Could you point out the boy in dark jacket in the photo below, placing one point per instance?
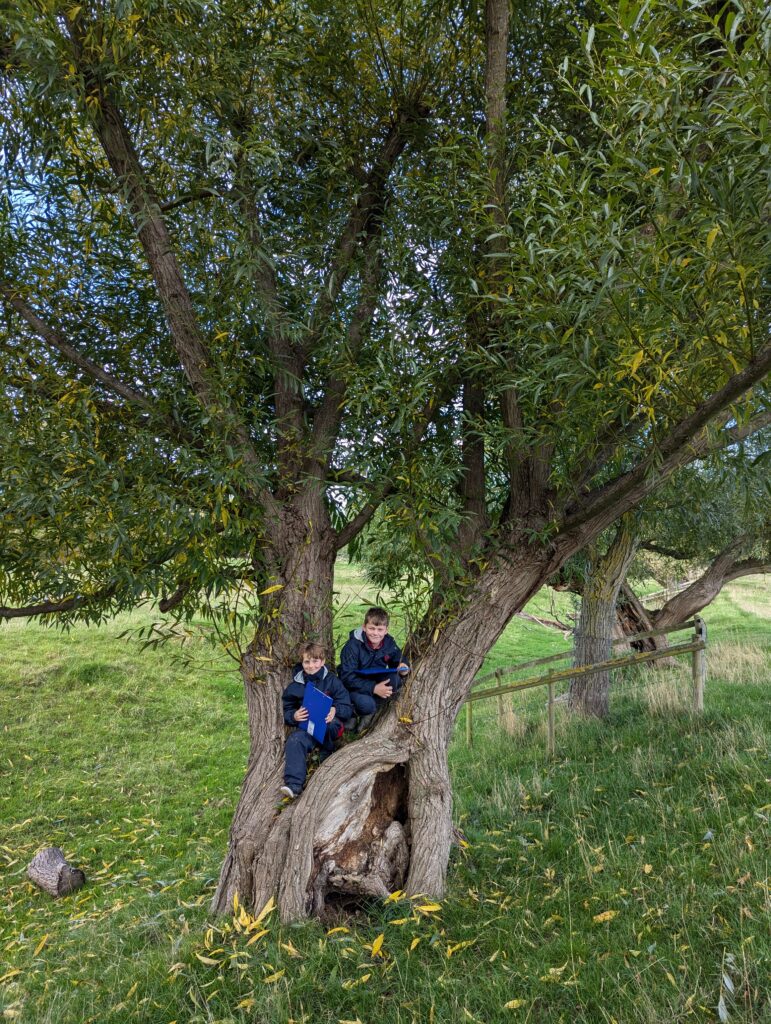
(300, 743)
(367, 650)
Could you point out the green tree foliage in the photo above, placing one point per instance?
(266, 271)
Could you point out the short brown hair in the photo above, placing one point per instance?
(377, 616)
(313, 650)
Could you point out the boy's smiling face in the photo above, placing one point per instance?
(374, 632)
(312, 665)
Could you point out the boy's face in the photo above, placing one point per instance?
(375, 631)
(311, 664)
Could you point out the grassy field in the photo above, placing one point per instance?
(626, 880)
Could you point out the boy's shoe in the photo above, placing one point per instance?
(350, 725)
(364, 722)
(288, 791)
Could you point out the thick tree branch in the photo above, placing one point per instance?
(365, 220)
(153, 234)
(748, 567)
(288, 363)
(55, 340)
(473, 482)
(327, 419)
(660, 549)
(721, 570)
(686, 441)
(51, 607)
(356, 525)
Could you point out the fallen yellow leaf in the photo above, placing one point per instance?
(606, 915)
(514, 1004)
(40, 944)
(267, 909)
(271, 978)
(377, 944)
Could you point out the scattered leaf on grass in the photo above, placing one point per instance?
(40, 944)
(378, 944)
(271, 978)
(606, 915)
(207, 960)
(353, 982)
(514, 1004)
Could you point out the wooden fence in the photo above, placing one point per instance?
(696, 647)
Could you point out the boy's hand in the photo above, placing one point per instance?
(301, 715)
(330, 714)
(383, 688)
(403, 668)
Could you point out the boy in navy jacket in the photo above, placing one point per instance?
(299, 743)
(369, 649)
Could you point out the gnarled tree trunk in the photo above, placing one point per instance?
(377, 815)
(589, 694)
(302, 555)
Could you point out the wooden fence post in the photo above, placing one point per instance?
(550, 735)
(469, 725)
(498, 678)
(699, 665)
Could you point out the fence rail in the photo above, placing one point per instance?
(696, 647)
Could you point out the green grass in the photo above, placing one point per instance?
(625, 880)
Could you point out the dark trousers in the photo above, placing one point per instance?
(298, 745)
(367, 704)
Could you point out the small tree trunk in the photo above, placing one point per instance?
(589, 694)
(50, 872)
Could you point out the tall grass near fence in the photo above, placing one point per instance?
(625, 880)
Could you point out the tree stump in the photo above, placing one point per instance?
(50, 872)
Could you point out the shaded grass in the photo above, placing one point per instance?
(625, 880)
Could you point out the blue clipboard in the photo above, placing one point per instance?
(383, 671)
(318, 705)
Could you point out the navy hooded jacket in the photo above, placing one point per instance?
(357, 654)
(327, 682)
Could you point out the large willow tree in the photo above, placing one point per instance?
(268, 272)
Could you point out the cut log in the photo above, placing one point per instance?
(50, 872)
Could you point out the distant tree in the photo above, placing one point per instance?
(710, 517)
(267, 272)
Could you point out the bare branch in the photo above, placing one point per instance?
(659, 549)
(167, 604)
(51, 607)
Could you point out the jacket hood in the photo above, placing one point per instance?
(320, 676)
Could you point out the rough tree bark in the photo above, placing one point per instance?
(589, 694)
(377, 815)
(633, 617)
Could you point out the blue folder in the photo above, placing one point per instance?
(318, 705)
(382, 671)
